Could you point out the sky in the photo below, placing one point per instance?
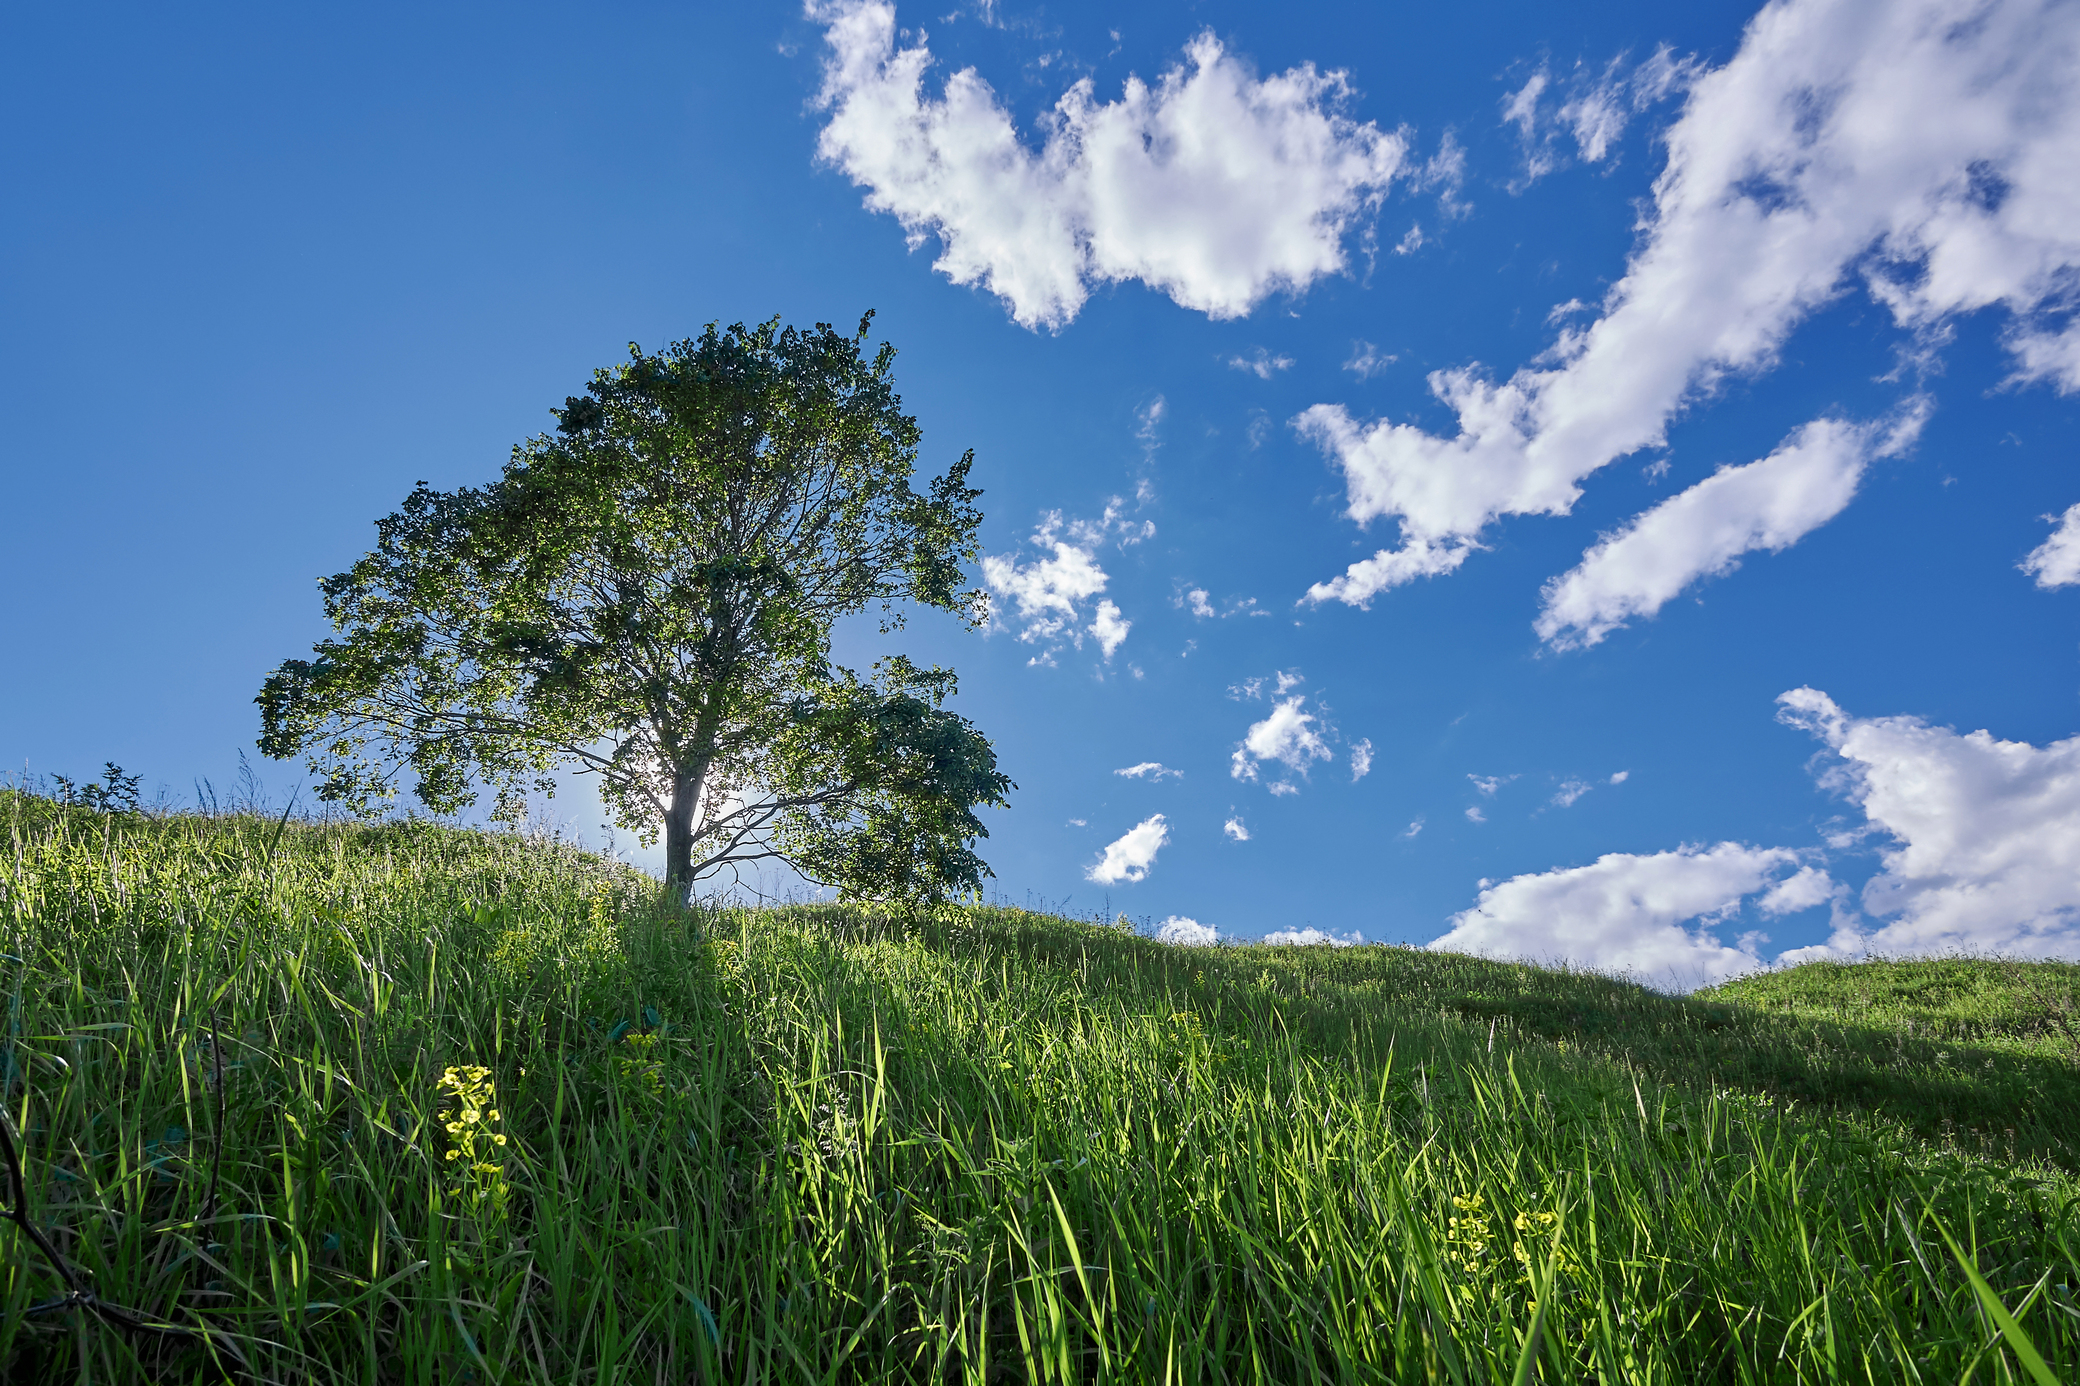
(1588, 483)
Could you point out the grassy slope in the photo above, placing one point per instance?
(812, 1143)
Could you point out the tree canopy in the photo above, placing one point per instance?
(648, 594)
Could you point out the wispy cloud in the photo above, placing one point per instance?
(1262, 365)
(1153, 770)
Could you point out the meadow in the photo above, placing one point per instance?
(408, 1103)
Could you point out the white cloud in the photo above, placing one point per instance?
(1628, 913)
(1368, 577)
(1212, 186)
(1201, 604)
(2056, 562)
(1927, 145)
(1281, 683)
(1766, 505)
(1568, 792)
(1263, 365)
(1311, 938)
(1235, 829)
(1596, 108)
(1488, 784)
(1148, 428)
(1621, 776)
(1415, 826)
(1986, 833)
(1287, 736)
(1181, 932)
(1810, 887)
(1150, 770)
(1133, 854)
(1474, 814)
(1368, 360)
(1361, 760)
(1048, 593)
(1108, 628)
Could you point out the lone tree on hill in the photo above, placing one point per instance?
(647, 594)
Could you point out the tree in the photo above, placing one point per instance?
(648, 594)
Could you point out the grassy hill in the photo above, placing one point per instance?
(406, 1103)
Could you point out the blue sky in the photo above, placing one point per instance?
(1590, 483)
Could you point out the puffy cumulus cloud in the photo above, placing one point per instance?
(1619, 777)
(1570, 791)
(1150, 770)
(1985, 853)
(1361, 760)
(1702, 532)
(1654, 916)
(1925, 145)
(1287, 736)
(1182, 932)
(1133, 854)
(2056, 562)
(1109, 628)
(1236, 829)
(1312, 938)
(1048, 593)
(1213, 185)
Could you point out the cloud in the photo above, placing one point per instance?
(1621, 776)
(1148, 428)
(1181, 932)
(1474, 814)
(1150, 770)
(1985, 833)
(1108, 628)
(1281, 683)
(1628, 913)
(1133, 854)
(1048, 593)
(1200, 603)
(1235, 829)
(1287, 736)
(1367, 360)
(1702, 532)
(1568, 792)
(1488, 784)
(1595, 109)
(1213, 186)
(1924, 146)
(1415, 826)
(1361, 760)
(1311, 938)
(2056, 562)
(1263, 365)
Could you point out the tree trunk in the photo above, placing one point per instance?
(678, 835)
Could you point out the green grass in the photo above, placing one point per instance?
(824, 1144)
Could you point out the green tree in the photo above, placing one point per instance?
(647, 594)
